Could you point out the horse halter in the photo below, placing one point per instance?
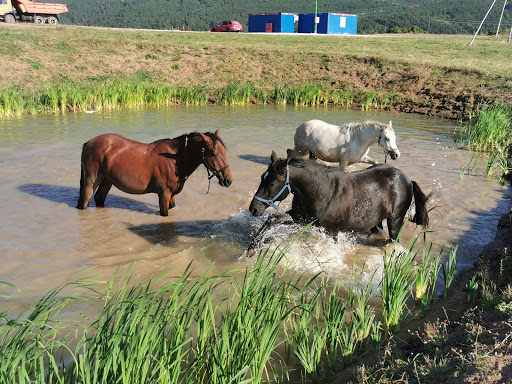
(386, 151)
(270, 202)
(211, 172)
(209, 168)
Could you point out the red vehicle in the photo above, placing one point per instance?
(227, 26)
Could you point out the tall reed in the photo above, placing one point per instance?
(363, 314)
(115, 92)
(248, 333)
(32, 341)
(142, 333)
(204, 329)
(492, 133)
(333, 310)
(396, 286)
(449, 269)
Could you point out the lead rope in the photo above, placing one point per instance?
(202, 160)
(385, 151)
(270, 202)
(186, 143)
(211, 172)
(207, 171)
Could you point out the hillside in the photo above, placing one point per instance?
(375, 16)
(429, 74)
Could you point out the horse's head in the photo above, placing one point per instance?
(387, 140)
(214, 158)
(273, 187)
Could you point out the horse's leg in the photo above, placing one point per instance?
(172, 202)
(343, 164)
(101, 193)
(378, 228)
(88, 184)
(271, 221)
(81, 197)
(395, 225)
(367, 159)
(164, 199)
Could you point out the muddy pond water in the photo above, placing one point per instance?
(45, 240)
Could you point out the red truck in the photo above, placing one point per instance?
(30, 11)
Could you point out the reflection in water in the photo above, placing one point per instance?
(45, 240)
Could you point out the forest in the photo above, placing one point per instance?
(374, 16)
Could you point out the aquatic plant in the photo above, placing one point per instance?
(363, 314)
(472, 287)
(449, 269)
(31, 342)
(116, 92)
(426, 277)
(215, 329)
(308, 336)
(333, 310)
(396, 285)
(492, 133)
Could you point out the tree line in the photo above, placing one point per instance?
(375, 16)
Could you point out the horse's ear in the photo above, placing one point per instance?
(217, 132)
(273, 157)
(390, 125)
(290, 153)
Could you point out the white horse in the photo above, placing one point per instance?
(347, 144)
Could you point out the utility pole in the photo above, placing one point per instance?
(316, 13)
(501, 17)
(485, 17)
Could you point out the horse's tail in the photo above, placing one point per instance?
(80, 204)
(420, 201)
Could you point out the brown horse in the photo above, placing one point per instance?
(161, 167)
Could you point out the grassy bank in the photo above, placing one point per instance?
(435, 75)
(491, 133)
(467, 339)
(214, 329)
(113, 93)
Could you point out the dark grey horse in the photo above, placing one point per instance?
(337, 200)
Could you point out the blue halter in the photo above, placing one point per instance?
(285, 186)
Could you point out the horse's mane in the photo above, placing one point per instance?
(354, 125)
(181, 138)
(298, 162)
(211, 135)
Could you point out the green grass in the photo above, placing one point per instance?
(372, 72)
(116, 92)
(491, 133)
(204, 329)
(465, 347)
